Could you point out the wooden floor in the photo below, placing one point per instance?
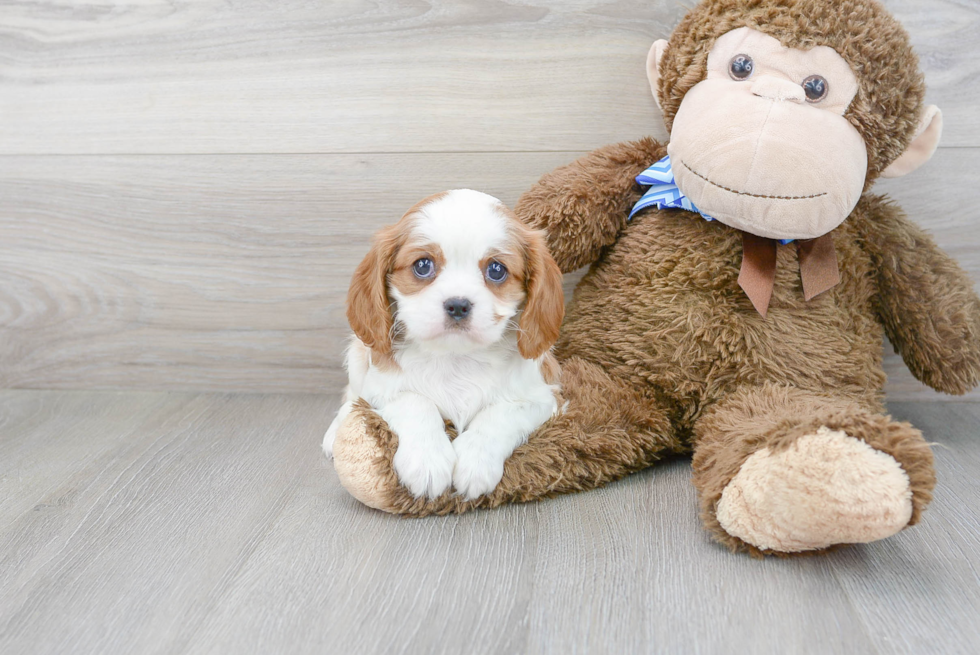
(204, 523)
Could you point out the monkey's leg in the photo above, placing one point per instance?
(779, 470)
(607, 431)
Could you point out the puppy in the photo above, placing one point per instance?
(454, 312)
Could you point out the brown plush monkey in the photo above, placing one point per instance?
(714, 337)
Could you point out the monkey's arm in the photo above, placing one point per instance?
(926, 301)
(583, 206)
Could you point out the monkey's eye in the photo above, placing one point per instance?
(424, 268)
(740, 67)
(815, 88)
(496, 272)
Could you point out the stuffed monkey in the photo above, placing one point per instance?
(741, 279)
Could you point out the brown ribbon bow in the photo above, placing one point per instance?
(818, 267)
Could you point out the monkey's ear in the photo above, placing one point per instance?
(653, 67)
(923, 145)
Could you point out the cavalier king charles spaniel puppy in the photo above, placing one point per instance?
(454, 312)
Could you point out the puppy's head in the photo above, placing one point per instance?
(453, 274)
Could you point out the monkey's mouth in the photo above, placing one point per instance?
(745, 193)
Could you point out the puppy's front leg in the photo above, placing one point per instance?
(357, 363)
(489, 440)
(425, 457)
(331, 434)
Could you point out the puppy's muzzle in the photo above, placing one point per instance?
(457, 308)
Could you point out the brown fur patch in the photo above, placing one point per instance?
(550, 369)
(531, 263)
(545, 306)
(926, 302)
(368, 302)
(403, 277)
(384, 361)
(583, 206)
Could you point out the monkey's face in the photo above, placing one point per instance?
(762, 144)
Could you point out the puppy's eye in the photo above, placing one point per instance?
(815, 88)
(424, 268)
(496, 272)
(741, 67)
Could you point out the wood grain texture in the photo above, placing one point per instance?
(167, 519)
(202, 272)
(229, 272)
(45, 440)
(212, 523)
(934, 594)
(360, 76)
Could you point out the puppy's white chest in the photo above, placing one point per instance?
(459, 386)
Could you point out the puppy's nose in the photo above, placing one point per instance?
(457, 308)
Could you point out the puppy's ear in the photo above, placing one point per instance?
(545, 306)
(368, 305)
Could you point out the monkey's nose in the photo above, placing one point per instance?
(457, 308)
(775, 88)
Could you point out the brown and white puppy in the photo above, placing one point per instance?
(454, 311)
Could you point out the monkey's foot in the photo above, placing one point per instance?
(823, 489)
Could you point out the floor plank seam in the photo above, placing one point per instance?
(227, 581)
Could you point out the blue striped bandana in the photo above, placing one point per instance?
(664, 192)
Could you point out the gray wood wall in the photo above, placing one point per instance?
(185, 188)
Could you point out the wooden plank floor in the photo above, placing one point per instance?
(203, 523)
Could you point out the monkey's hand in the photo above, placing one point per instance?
(927, 303)
(583, 206)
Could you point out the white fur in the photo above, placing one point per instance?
(475, 378)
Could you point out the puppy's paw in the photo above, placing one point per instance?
(331, 434)
(478, 468)
(329, 438)
(426, 468)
